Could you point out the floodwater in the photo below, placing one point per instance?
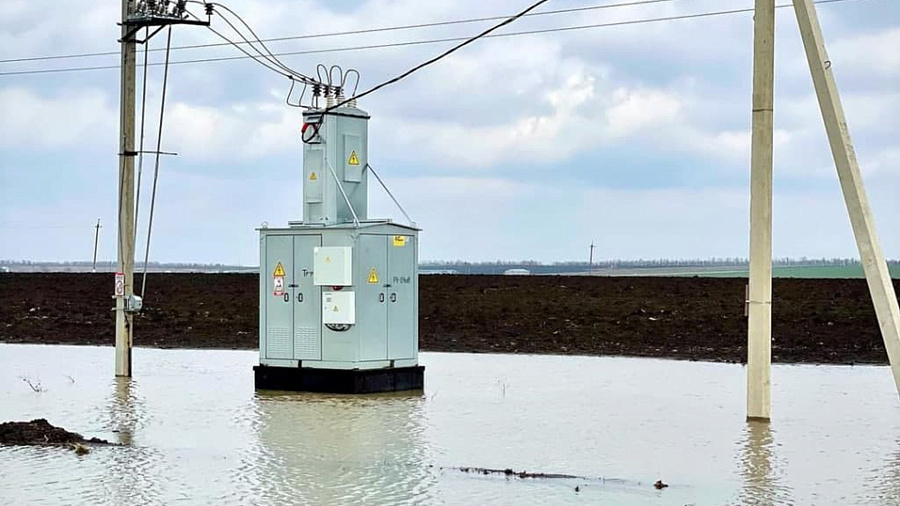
(196, 432)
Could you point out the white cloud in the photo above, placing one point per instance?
(882, 163)
(497, 109)
(871, 53)
(636, 110)
(244, 131)
(583, 112)
(74, 118)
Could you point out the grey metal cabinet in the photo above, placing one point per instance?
(386, 293)
(371, 290)
(341, 297)
(306, 300)
(402, 299)
(279, 314)
(292, 302)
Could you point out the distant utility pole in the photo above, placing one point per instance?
(97, 228)
(591, 260)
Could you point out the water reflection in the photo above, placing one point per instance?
(199, 433)
(124, 410)
(133, 472)
(325, 449)
(760, 469)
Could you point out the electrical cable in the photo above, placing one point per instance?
(292, 76)
(354, 32)
(270, 61)
(254, 58)
(140, 172)
(231, 42)
(319, 68)
(355, 86)
(439, 57)
(287, 100)
(261, 43)
(436, 41)
(162, 110)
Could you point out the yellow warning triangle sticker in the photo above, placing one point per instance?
(279, 270)
(313, 176)
(327, 260)
(373, 276)
(354, 160)
(335, 309)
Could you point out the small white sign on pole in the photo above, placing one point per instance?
(120, 284)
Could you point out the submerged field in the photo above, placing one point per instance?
(815, 320)
(190, 428)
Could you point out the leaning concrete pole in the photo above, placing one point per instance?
(874, 264)
(125, 248)
(759, 340)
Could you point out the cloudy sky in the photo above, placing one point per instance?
(527, 147)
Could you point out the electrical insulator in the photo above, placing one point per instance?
(317, 92)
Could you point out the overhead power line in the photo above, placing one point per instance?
(434, 41)
(352, 32)
(441, 56)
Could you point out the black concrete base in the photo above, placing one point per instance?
(339, 381)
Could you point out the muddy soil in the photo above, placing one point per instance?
(815, 320)
(40, 432)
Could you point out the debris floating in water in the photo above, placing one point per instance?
(517, 474)
(659, 485)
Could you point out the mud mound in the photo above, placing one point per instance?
(40, 432)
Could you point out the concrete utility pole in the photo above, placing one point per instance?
(591, 260)
(870, 252)
(759, 341)
(125, 320)
(97, 228)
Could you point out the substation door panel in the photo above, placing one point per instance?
(402, 314)
(372, 297)
(279, 306)
(306, 299)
